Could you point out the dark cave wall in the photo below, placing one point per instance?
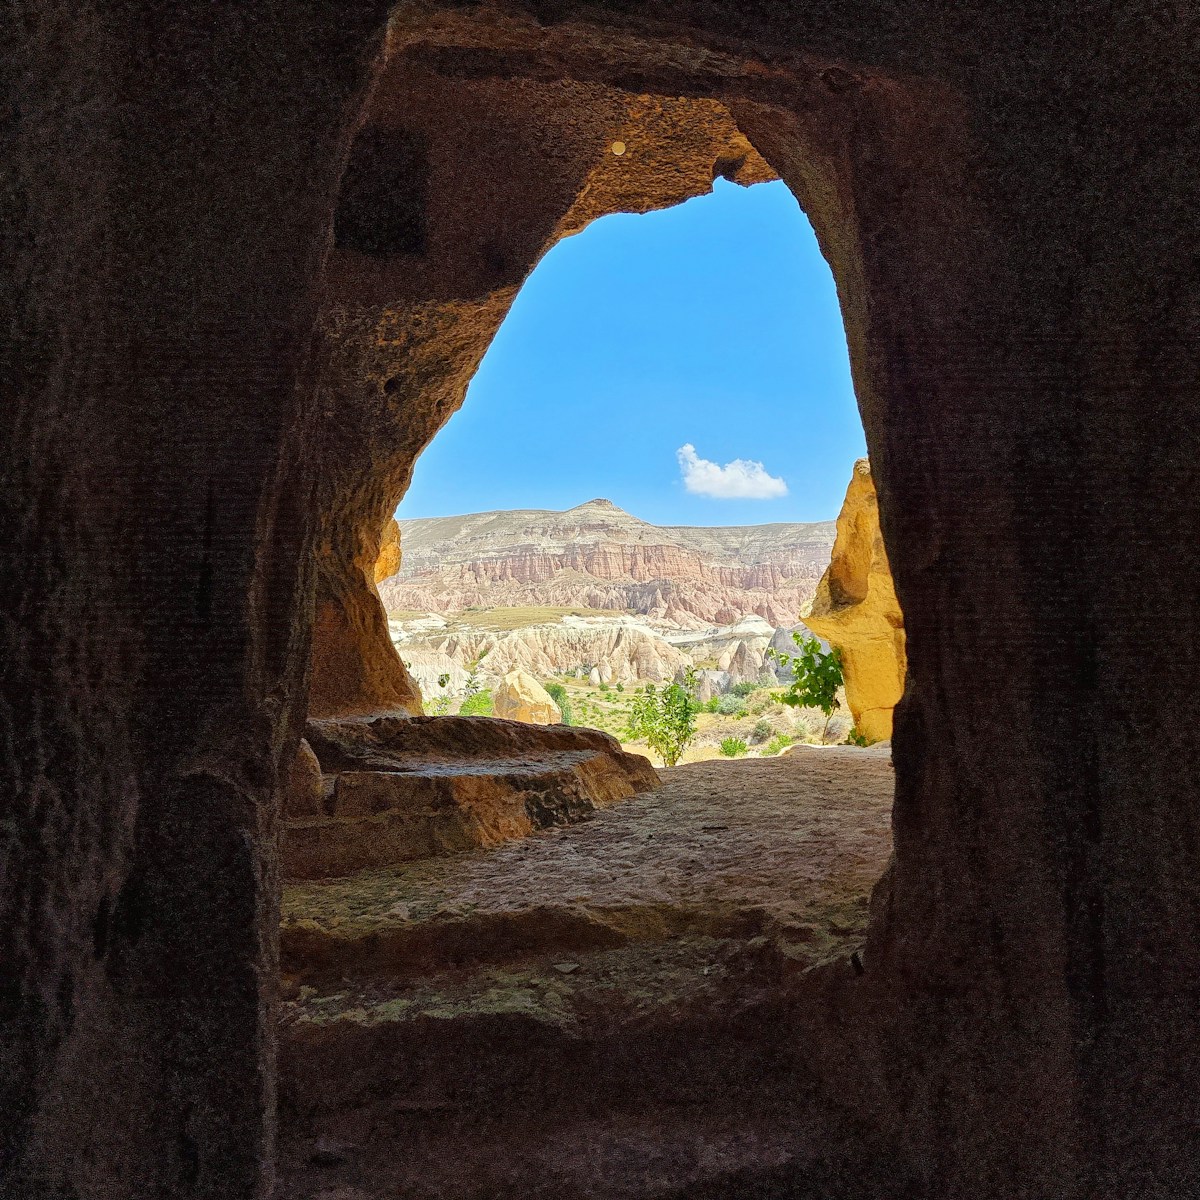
(992, 259)
(158, 274)
(1019, 287)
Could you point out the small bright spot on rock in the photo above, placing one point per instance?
(618, 148)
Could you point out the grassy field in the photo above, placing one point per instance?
(501, 620)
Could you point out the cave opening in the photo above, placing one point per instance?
(499, 895)
(713, 322)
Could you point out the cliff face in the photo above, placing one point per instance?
(857, 611)
(598, 556)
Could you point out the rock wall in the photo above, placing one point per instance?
(597, 556)
(856, 610)
(1005, 196)
(170, 170)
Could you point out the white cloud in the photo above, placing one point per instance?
(737, 480)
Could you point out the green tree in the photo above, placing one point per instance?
(474, 683)
(558, 694)
(477, 700)
(817, 676)
(477, 704)
(666, 719)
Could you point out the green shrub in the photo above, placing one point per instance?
(478, 704)
(710, 705)
(558, 694)
(779, 742)
(732, 747)
(762, 731)
(603, 686)
(854, 738)
(666, 719)
(742, 689)
(620, 687)
(731, 706)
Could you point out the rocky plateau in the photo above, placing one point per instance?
(598, 556)
(596, 592)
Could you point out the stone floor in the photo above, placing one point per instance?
(597, 1011)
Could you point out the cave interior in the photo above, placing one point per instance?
(297, 231)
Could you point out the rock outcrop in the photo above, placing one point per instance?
(303, 794)
(598, 556)
(613, 648)
(856, 610)
(397, 789)
(521, 698)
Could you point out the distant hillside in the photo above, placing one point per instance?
(597, 556)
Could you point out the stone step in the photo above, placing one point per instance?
(681, 1098)
(397, 789)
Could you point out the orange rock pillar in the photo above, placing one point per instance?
(856, 610)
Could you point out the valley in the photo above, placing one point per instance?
(602, 604)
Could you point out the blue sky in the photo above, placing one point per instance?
(690, 365)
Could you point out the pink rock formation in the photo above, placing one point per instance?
(598, 556)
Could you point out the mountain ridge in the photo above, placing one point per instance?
(599, 556)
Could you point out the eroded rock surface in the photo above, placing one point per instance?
(304, 793)
(856, 610)
(645, 977)
(402, 788)
(390, 554)
(616, 649)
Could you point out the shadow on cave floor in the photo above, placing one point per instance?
(600, 1010)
